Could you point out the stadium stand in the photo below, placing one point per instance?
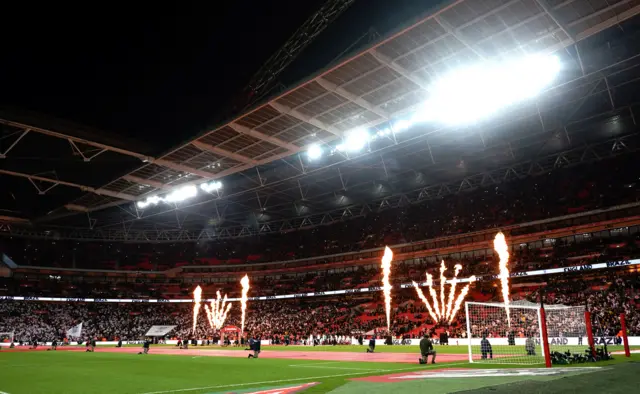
(565, 191)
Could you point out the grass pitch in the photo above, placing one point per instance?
(101, 372)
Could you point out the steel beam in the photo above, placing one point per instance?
(69, 184)
(283, 109)
(222, 152)
(352, 97)
(387, 61)
(261, 136)
(148, 182)
(76, 139)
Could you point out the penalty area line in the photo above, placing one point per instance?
(310, 378)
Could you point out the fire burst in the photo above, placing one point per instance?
(386, 285)
(197, 297)
(244, 282)
(439, 310)
(501, 247)
(217, 314)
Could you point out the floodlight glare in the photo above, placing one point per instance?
(182, 194)
(473, 93)
(314, 152)
(208, 187)
(356, 140)
(402, 125)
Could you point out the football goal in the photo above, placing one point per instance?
(523, 333)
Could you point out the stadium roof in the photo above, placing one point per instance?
(268, 185)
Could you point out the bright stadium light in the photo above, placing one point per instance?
(314, 152)
(355, 141)
(474, 93)
(182, 194)
(209, 187)
(153, 200)
(177, 195)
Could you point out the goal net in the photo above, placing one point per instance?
(516, 338)
(6, 338)
(498, 339)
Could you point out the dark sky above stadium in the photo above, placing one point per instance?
(163, 74)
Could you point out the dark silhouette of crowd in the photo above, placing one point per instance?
(564, 191)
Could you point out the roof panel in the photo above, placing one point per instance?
(338, 114)
(302, 95)
(208, 161)
(350, 71)
(258, 117)
(322, 105)
(301, 130)
(425, 32)
(271, 154)
(377, 79)
(276, 125)
(421, 52)
(259, 149)
(239, 143)
(219, 136)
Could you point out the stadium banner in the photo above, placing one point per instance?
(562, 341)
(633, 341)
(159, 331)
(482, 278)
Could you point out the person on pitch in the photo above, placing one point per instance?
(485, 347)
(255, 348)
(530, 346)
(372, 345)
(426, 350)
(145, 346)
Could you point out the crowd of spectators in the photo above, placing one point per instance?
(557, 253)
(606, 296)
(563, 191)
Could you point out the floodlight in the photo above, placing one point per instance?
(211, 186)
(182, 194)
(473, 93)
(314, 152)
(356, 140)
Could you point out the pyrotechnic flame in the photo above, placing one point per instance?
(443, 280)
(439, 311)
(197, 297)
(386, 285)
(501, 247)
(434, 296)
(460, 298)
(218, 312)
(452, 290)
(244, 282)
(425, 301)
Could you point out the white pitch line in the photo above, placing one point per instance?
(343, 368)
(324, 363)
(310, 378)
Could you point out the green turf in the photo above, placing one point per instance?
(101, 373)
(622, 379)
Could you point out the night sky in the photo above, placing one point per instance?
(162, 75)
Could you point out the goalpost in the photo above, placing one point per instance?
(6, 338)
(528, 336)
